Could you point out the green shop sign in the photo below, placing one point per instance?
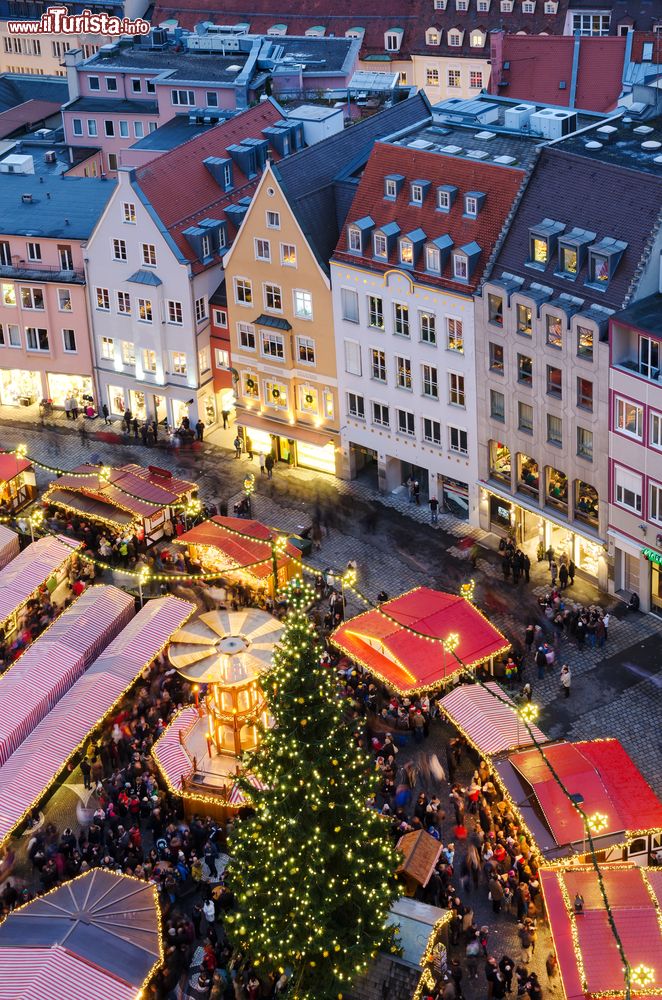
(654, 557)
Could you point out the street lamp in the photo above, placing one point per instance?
(249, 490)
(528, 714)
(450, 644)
(35, 520)
(192, 509)
(143, 578)
(278, 547)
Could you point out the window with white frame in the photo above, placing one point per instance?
(356, 405)
(124, 130)
(483, 6)
(119, 249)
(32, 298)
(128, 352)
(629, 418)
(454, 39)
(457, 440)
(308, 399)
(455, 335)
(69, 341)
(417, 194)
(275, 395)
(303, 304)
(221, 318)
(455, 389)
(470, 206)
(454, 78)
(460, 267)
(655, 440)
(77, 126)
(477, 39)
(349, 303)
(175, 312)
(273, 298)
(34, 251)
(204, 359)
(430, 380)
(476, 79)
(406, 252)
(375, 312)
(36, 338)
(91, 126)
(380, 414)
(400, 319)
(392, 41)
(380, 245)
(138, 130)
(149, 254)
(354, 239)
(246, 336)
(124, 303)
(250, 385)
(272, 345)
(129, 212)
(627, 489)
(591, 24)
(243, 292)
(444, 200)
(432, 36)
(262, 250)
(378, 364)
(353, 357)
(432, 260)
(178, 362)
(655, 503)
(107, 348)
(431, 431)
(145, 310)
(149, 360)
(406, 422)
(201, 309)
(403, 372)
(182, 98)
(221, 358)
(288, 255)
(427, 325)
(306, 350)
(431, 76)
(103, 299)
(528, 7)
(273, 220)
(390, 188)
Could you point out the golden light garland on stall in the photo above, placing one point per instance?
(427, 980)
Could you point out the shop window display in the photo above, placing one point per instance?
(500, 462)
(528, 476)
(556, 492)
(586, 503)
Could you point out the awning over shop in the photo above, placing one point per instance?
(242, 543)
(9, 547)
(590, 964)
(48, 668)
(601, 771)
(88, 507)
(97, 935)
(320, 438)
(12, 466)
(30, 570)
(33, 767)
(490, 726)
(384, 640)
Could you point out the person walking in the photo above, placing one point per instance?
(136, 429)
(67, 408)
(249, 448)
(199, 430)
(524, 935)
(554, 572)
(106, 413)
(526, 566)
(571, 572)
(86, 770)
(127, 420)
(434, 509)
(261, 459)
(605, 622)
(563, 576)
(74, 407)
(269, 465)
(237, 447)
(549, 555)
(566, 678)
(417, 493)
(225, 414)
(541, 662)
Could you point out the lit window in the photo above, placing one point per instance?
(303, 304)
(496, 358)
(275, 395)
(524, 317)
(306, 350)
(179, 365)
(33, 298)
(495, 309)
(250, 385)
(378, 363)
(406, 252)
(221, 358)
(129, 211)
(243, 292)
(432, 76)
(427, 327)
(569, 260)
(524, 370)
(629, 418)
(539, 250)
(273, 345)
(145, 310)
(432, 36)
(308, 399)
(103, 299)
(455, 341)
(403, 372)
(107, 348)
(454, 78)
(599, 269)
(288, 255)
(476, 79)
(477, 39)
(149, 360)
(128, 352)
(8, 294)
(554, 326)
(375, 312)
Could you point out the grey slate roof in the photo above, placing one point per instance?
(173, 133)
(605, 198)
(307, 178)
(61, 207)
(201, 66)
(16, 88)
(645, 315)
(106, 105)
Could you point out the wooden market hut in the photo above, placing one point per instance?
(243, 550)
(18, 485)
(420, 853)
(130, 499)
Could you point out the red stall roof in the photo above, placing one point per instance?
(11, 466)
(129, 488)
(9, 547)
(604, 774)
(31, 569)
(635, 896)
(243, 542)
(485, 721)
(381, 640)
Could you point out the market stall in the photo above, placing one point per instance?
(18, 485)
(99, 935)
(489, 726)
(420, 853)
(44, 563)
(589, 961)
(34, 767)
(130, 499)
(624, 814)
(223, 544)
(9, 547)
(453, 635)
(38, 679)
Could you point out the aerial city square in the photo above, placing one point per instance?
(331, 500)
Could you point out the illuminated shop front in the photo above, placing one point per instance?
(138, 403)
(306, 448)
(62, 387)
(19, 387)
(655, 560)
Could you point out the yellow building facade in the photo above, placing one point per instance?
(41, 54)
(282, 342)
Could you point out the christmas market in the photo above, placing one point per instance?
(420, 640)
(17, 483)
(420, 853)
(42, 566)
(488, 718)
(9, 545)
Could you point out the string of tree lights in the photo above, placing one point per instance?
(313, 870)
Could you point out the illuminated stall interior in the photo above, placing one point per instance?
(17, 483)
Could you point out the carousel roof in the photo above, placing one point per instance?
(385, 642)
(589, 960)
(228, 647)
(242, 543)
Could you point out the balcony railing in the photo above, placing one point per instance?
(639, 368)
(35, 271)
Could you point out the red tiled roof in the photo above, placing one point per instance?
(538, 64)
(180, 187)
(499, 184)
(597, 967)
(639, 39)
(29, 113)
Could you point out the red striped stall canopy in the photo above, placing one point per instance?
(589, 961)
(172, 759)
(30, 570)
(384, 640)
(47, 669)
(97, 935)
(8, 545)
(489, 725)
(31, 769)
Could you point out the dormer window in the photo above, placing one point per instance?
(542, 242)
(599, 269)
(440, 4)
(477, 39)
(417, 194)
(455, 38)
(393, 39)
(432, 260)
(483, 6)
(539, 250)
(460, 267)
(446, 195)
(528, 7)
(551, 6)
(432, 36)
(507, 6)
(461, 5)
(406, 252)
(354, 240)
(380, 246)
(569, 260)
(390, 190)
(473, 202)
(603, 259)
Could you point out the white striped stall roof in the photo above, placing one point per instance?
(48, 668)
(56, 974)
(8, 545)
(30, 570)
(25, 777)
(169, 754)
(490, 726)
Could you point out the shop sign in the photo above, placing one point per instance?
(652, 556)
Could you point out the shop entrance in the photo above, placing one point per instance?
(363, 462)
(453, 496)
(416, 472)
(656, 588)
(530, 531)
(19, 387)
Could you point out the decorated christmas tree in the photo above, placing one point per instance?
(313, 870)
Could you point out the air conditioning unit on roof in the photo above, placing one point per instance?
(552, 123)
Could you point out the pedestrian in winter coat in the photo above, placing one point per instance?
(553, 571)
(237, 447)
(269, 465)
(563, 576)
(566, 678)
(541, 662)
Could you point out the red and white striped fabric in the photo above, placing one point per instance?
(238, 798)
(30, 570)
(48, 668)
(168, 752)
(8, 545)
(42, 756)
(56, 974)
(490, 725)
